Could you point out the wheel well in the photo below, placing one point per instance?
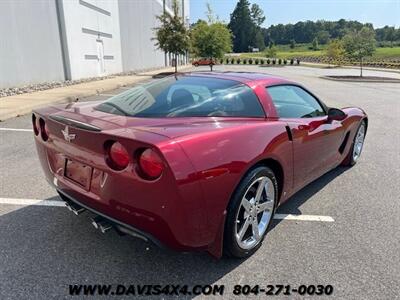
(278, 171)
(366, 122)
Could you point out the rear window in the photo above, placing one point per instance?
(186, 96)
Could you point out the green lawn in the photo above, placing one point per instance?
(387, 52)
(284, 52)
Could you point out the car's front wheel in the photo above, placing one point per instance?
(250, 212)
(357, 145)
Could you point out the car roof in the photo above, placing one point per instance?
(243, 77)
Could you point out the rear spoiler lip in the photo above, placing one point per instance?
(74, 123)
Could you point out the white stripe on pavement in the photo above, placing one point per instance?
(108, 95)
(304, 218)
(15, 129)
(289, 217)
(27, 202)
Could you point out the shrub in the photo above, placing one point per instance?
(273, 61)
(250, 61)
(238, 61)
(221, 60)
(298, 61)
(268, 61)
(232, 61)
(292, 61)
(279, 61)
(261, 61)
(285, 62)
(256, 61)
(244, 61)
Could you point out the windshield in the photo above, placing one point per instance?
(186, 96)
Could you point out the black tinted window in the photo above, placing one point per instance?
(186, 96)
(294, 102)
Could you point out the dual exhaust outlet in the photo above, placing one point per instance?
(102, 223)
(98, 222)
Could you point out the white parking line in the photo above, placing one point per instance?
(15, 129)
(289, 217)
(303, 218)
(107, 95)
(28, 202)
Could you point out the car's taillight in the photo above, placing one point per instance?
(117, 156)
(35, 124)
(150, 164)
(44, 130)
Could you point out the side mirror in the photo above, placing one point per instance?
(336, 114)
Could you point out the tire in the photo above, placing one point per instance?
(351, 158)
(236, 220)
(196, 65)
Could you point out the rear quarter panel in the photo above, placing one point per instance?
(221, 158)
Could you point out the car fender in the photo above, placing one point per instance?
(222, 157)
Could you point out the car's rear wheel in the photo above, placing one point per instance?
(196, 64)
(250, 212)
(357, 145)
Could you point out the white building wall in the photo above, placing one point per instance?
(88, 23)
(137, 20)
(30, 49)
(54, 40)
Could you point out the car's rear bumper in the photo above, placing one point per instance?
(153, 213)
(118, 225)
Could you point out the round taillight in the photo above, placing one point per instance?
(150, 163)
(35, 124)
(44, 130)
(118, 156)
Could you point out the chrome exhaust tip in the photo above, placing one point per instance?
(76, 209)
(102, 224)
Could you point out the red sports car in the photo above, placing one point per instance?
(203, 62)
(197, 161)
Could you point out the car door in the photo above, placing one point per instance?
(316, 141)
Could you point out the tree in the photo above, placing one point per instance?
(211, 18)
(305, 32)
(210, 40)
(259, 40)
(172, 36)
(335, 50)
(359, 44)
(315, 44)
(271, 51)
(390, 35)
(323, 37)
(257, 15)
(241, 26)
(292, 44)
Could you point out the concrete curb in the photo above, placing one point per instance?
(18, 105)
(321, 65)
(362, 80)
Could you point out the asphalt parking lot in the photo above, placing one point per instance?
(43, 249)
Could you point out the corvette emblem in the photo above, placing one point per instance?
(67, 136)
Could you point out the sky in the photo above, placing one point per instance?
(377, 12)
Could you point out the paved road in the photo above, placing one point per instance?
(44, 249)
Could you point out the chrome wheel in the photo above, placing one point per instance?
(359, 142)
(254, 213)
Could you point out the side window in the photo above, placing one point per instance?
(294, 102)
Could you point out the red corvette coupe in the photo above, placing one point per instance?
(197, 161)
